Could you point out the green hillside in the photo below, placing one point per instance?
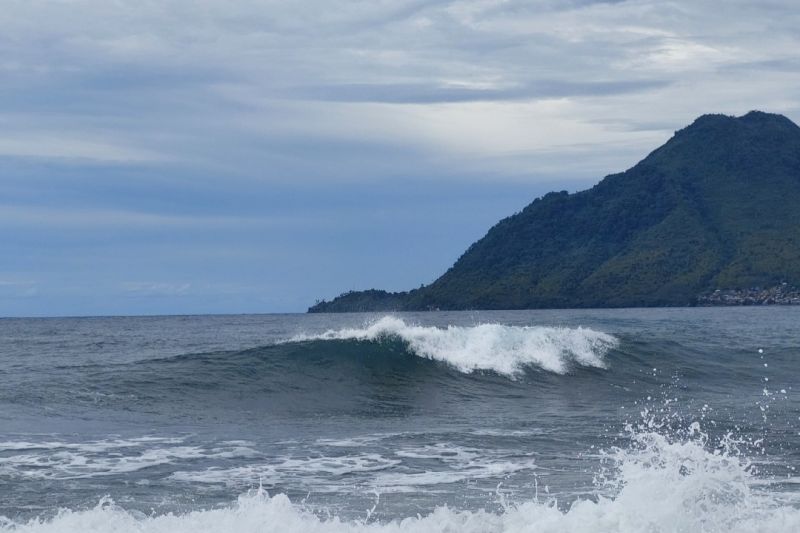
(716, 207)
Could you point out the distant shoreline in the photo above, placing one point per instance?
(782, 294)
(376, 301)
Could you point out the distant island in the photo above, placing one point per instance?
(712, 217)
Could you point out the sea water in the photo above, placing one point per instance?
(657, 420)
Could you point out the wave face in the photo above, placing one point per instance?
(507, 350)
(657, 484)
(373, 368)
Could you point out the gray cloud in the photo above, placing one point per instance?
(188, 81)
(429, 94)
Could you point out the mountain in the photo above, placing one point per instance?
(716, 207)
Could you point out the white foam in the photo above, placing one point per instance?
(61, 460)
(368, 472)
(658, 486)
(310, 472)
(489, 432)
(91, 446)
(356, 442)
(460, 464)
(413, 482)
(503, 349)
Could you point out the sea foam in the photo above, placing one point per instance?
(499, 348)
(657, 485)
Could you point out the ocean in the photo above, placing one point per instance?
(634, 420)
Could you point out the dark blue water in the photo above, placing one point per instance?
(607, 420)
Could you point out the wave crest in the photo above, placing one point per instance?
(507, 350)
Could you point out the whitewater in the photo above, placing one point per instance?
(496, 347)
(537, 421)
(664, 486)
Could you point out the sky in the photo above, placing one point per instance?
(243, 156)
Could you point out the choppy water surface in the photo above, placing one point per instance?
(614, 420)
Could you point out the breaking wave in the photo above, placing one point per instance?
(334, 371)
(507, 350)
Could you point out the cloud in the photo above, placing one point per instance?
(149, 288)
(184, 82)
(106, 219)
(71, 148)
(453, 93)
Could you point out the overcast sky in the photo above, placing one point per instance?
(198, 156)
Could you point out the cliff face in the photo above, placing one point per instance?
(716, 207)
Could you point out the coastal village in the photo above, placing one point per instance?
(783, 294)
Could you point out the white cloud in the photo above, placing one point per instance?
(150, 288)
(103, 219)
(49, 145)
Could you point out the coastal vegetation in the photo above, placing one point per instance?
(715, 208)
